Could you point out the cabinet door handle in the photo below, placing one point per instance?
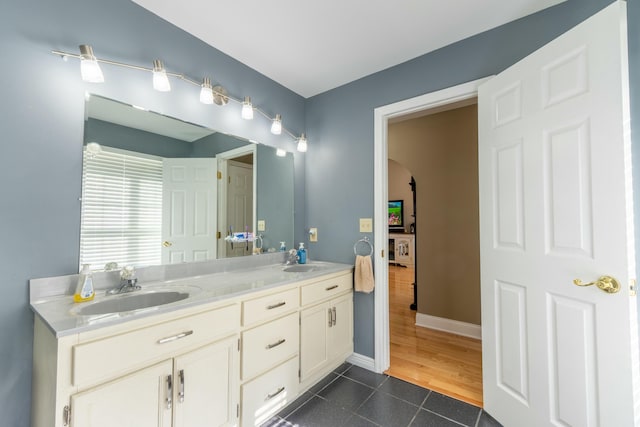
(330, 288)
(334, 316)
(169, 399)
(275, 344)
(271, 396)
(181, 389)
(280, 304)
(330, 316)
(175, 337)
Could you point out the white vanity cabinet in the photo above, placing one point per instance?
(195, 389)
(233, 362)
(326, 327)
(178, 372)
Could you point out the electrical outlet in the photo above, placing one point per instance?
(261, 225)
(366, 225)
(313, 234)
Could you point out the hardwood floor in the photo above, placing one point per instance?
(447, 363)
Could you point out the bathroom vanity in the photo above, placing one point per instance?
(242, 345)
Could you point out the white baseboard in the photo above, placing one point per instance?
(448, 325)
(362, 361)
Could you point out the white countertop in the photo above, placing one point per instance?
(59, 311)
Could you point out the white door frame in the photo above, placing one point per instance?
(222, 159)
(381, 231)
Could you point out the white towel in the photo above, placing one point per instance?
(363, 277)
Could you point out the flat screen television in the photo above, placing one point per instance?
(396, 214)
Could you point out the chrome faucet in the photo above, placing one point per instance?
(128, 282)
(292, 257)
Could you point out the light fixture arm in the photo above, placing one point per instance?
(222, 93)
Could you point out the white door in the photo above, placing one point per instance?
(206, 386)
(189, 210)
(239, 204)
(555, 205)
(140, 399)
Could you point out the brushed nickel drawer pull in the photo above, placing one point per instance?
(330, 316)
(330, 288)
(175, 337)
(280, 304)
(271, 396)
(275, 344)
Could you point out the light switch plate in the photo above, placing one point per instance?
(313, 234)
(366, 225)
(261, 225)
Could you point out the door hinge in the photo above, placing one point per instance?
(219, 235)
(237, 410)
(229, 179)
(633, 289)
(219, 175)
(299, 373)
(382, 253)
(238, 344)
(66, 415)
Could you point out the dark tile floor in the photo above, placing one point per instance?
(352, 396)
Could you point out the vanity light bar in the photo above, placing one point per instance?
(220, 95)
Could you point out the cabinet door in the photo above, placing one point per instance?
(206, 385)
(341, 331)
(140, 399)
(314, 324)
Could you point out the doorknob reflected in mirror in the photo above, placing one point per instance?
(166, 243)
(606, 283)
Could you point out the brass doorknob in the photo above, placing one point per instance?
(166, 243)
(606, 283)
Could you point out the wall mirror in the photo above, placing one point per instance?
(159, 190)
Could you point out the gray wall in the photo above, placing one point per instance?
(275, 196)
(126, 138)
(42, 130)
(339, 124)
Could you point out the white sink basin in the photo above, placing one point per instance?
(131, 302)
(300, 268)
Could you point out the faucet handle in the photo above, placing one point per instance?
(127, 273)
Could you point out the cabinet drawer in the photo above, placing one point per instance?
(269, 345)
(110, 357)
(319, 291)
(269, 393)
(269, 307)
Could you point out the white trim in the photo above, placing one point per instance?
(362, 361)
(381, 233)
(449, 325)
(222, 159)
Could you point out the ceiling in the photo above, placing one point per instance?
(314, 46)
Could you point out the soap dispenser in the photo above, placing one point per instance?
(84, 289)
(283, 247)
(302, 254)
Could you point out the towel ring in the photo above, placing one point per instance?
(363, 240)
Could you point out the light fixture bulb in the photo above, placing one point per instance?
(160, 78)
(276, 125)
(89, 68)
(281, 153)
(206, 93)
(247, 108)
(302, 144)
(93, 149)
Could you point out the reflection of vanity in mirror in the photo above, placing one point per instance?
(157, 190)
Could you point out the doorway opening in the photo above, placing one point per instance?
(428, 347)
(437, 101)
